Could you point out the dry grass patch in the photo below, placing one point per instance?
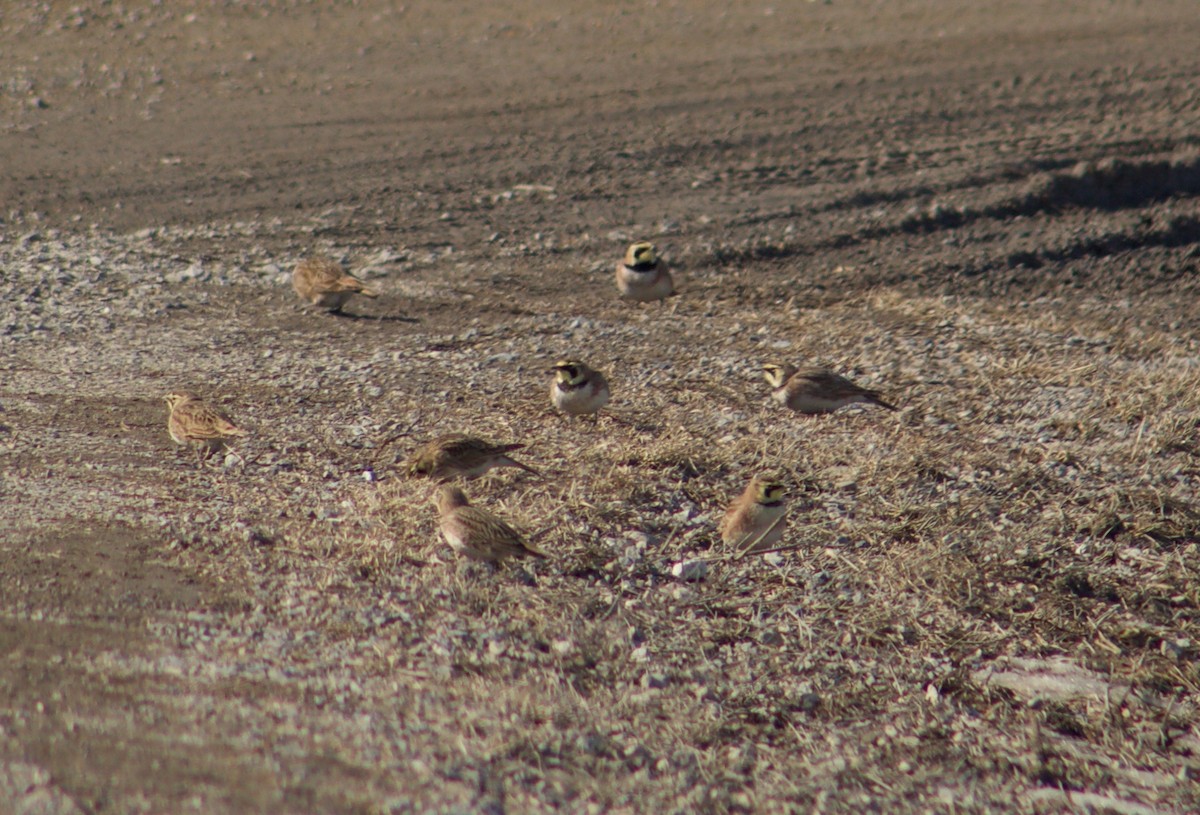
(1034, 504)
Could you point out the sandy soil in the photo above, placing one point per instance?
(987, 209)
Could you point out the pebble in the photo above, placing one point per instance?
(690, 570)
(642, 540)
(655, 680)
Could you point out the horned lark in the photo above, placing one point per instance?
(476, 533)
(642, 276)
(755, 519)
(324, 283)
(193, 421)
(578, 389)
(458, 455)
(816, 390)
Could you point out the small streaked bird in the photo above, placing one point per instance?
(326, 284)
(578, 389)
(816, 390)
(755, 519)
(193, 421)
(643, 276)
(476, 533)
(457, 455)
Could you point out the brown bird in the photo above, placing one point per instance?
(193, 421)
(457, 455)
(324, 283)
(643, 276)
(755, 519)
(578, 389)
(816, 390)
(476, 533)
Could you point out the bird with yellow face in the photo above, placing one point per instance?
(643, 276)
(754, 521)
(578, 389)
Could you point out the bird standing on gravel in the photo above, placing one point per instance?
(816, 390)
(755, 519)
(324, 283)
(457, 455)
(476, 533)
(643, 276)
(193, 421)
(578, 389)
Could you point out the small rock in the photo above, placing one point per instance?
(770, 637)
(655, 680)
(637, 756)
(690, 570)
(679, 592)
(195, 271)
(631, 556)
(741, 800)
(642, 540)
(685, 514)
(1177, 649)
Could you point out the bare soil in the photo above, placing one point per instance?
(987, 210)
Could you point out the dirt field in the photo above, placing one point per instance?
(986, 210)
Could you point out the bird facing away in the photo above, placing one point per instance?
(755, 519)
(816, 390)
(476, 533)
(578, 389)
(643, 276)
(457, 455)
(193, 421)
(324, 283)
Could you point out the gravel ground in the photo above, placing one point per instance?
(990, 600)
